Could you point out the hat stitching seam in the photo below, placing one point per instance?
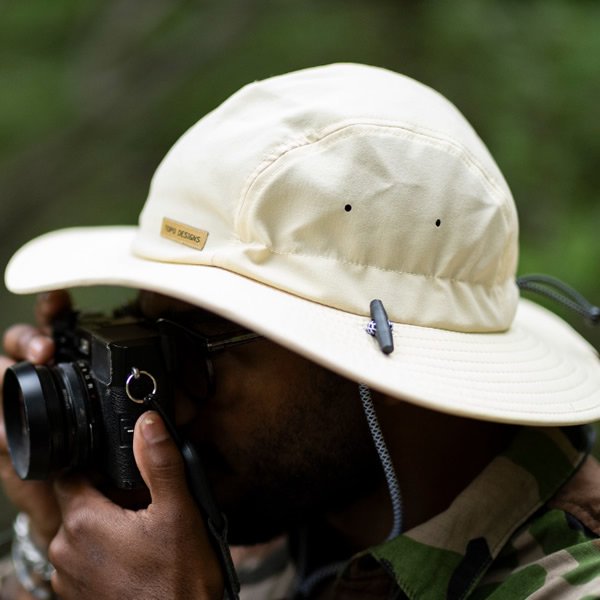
(384, 269)
(436, 362)
(559, 394)
(440, 140)
(462, 361)
(514, 406)
(268, 159)
(537, 358)
(442, 337)
(520, 381)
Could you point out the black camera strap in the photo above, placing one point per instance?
(216, 521)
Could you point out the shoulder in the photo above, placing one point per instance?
(580, 497)
(556, 554)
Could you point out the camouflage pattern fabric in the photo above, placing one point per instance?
(504, 537)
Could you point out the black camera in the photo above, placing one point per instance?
(81, 411)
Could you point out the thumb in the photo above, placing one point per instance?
(159, 460)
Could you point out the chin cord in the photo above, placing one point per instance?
(307, 584)
(385, 458)
(559, 291)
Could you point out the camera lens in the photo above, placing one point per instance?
(48, 418)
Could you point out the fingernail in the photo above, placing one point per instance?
(36, 348)
(153, 429)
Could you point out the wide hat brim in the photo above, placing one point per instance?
(538, 372)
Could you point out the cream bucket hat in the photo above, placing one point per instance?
(302, 198)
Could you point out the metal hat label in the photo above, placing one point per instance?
(183, 234)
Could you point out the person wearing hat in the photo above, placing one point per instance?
(412, 425)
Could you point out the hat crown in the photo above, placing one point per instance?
(341, 184)
(316, 192)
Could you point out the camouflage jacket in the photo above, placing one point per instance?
(526, 527)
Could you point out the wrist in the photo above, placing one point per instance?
(31, 565)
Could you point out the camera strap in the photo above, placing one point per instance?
(216, 521)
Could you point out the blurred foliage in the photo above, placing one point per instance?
(93, 94)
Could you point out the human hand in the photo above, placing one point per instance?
(26, 342)
(104, 551)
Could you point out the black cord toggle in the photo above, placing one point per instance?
(381, 327)
(560, 292)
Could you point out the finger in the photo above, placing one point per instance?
(159, 461)
(5, 362)
(36, 498)
(3, 440)
(49, 305)
(24, 342)
(74, 493)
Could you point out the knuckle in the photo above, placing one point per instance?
(16, 339)
(58, 552)
(13, 335)
(166, 460)
(7, 337)
(75, 523)
(27, 342)
(164, 463)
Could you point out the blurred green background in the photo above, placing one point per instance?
(93, 94)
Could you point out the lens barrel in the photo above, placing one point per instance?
(47, 416)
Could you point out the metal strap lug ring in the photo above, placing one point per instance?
(136, 374)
